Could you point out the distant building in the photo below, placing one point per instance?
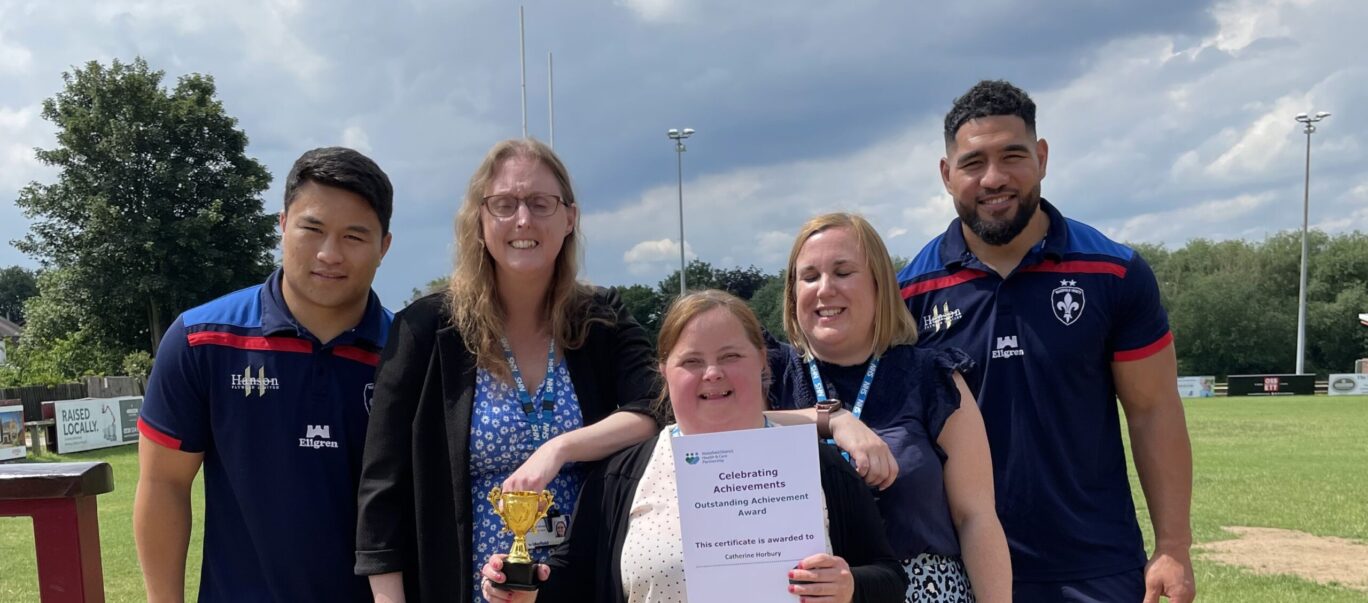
(9, 333)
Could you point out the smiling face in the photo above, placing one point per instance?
(834, 297)
(714, 374)
(524, 245)
(331, 245)
(993, 170)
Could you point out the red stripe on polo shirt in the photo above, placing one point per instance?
(1079, 267)
(153, 434)
(248, 342)
(351, 352)
(957, 278)
(1145, 352)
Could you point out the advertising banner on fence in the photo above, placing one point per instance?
(94, 423)
(1348, 384)
(1271, 385)
(1197, 387)
(12, 433)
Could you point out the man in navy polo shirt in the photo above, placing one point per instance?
(1062, 321)
(269, 390)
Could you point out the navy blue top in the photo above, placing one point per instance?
(912, 396)
(281, 420)
(1044, 340)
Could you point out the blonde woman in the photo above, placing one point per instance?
(513, 377)
(852, 342)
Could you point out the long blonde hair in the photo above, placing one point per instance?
(473, 294)
(893, 324)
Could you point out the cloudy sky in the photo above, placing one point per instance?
(1167, 120)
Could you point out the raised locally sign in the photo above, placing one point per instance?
(92, 423)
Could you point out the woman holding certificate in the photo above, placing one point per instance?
(852, 341)
(625, 541)
(511, 378)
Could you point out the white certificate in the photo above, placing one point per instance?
(750, 508)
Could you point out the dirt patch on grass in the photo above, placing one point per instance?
(1323, 559)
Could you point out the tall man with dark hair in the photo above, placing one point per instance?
(269, 389)
(1062, 322)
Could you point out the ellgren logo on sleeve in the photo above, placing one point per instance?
(249, 384)
(317, 436)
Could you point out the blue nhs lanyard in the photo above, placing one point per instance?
(541, 423)
(820, 390)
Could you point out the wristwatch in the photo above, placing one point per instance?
(824, 412)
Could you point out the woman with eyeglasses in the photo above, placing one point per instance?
(515, 376)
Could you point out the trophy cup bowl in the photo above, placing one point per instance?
(520, 511)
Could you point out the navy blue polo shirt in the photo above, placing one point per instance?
(281, 420)
(1044, 339)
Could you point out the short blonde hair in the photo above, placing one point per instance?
(893, 324)
(691, 306)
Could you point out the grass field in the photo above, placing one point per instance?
(122, 578)
(1294, 463)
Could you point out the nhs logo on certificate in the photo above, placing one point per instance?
(750, 508)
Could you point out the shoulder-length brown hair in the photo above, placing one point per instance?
(688, 307)
(473, 294)
(893, 324)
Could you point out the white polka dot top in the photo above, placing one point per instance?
(653, 551)
(652, 560)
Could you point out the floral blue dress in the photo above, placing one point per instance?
(501, 439)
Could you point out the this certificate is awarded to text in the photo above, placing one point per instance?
(750, 508)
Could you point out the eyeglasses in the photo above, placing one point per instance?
(539, 204)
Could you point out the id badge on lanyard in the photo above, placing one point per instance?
(549, 530)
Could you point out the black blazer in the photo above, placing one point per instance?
(414, 510)
(587, 567)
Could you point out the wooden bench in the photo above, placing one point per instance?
(41, 430)
(60, 497)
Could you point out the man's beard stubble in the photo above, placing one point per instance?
(998, 232)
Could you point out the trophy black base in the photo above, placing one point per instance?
(519, 576)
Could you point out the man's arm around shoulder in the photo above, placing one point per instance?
(161, 517)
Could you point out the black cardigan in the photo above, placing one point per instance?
(587, 566)
(414, 510)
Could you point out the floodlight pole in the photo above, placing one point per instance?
(1310, 123)
(522, 66)
(678, 136)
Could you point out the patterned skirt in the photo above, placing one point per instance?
(937, 579)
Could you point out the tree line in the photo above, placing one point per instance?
(156, 208)
(1232, 305)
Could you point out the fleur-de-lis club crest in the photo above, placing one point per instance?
(1067, 301)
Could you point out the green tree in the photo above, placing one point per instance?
(646, 305)
(699, 275)
(437, 284)
(768, 305)
(156, 206)
(1337, 293)
(17, 285)
(741, 282)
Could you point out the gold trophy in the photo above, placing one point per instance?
(520, 511)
